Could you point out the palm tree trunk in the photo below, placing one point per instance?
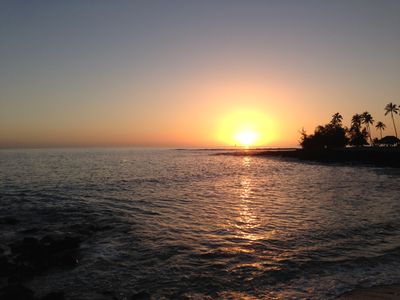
(369, 133)
(394, 125)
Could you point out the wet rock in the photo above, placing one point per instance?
(64, 251)
(16, 292)
(55, 245)
(53, 296)
(30, 230)
(23, 247)
(5, 265)
(32, 256)
(140, 296)
(19, 292)
(8, 220)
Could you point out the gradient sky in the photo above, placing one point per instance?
(191, 73)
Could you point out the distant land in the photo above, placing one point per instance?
(381, 156)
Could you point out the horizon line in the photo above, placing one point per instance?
(145, 147)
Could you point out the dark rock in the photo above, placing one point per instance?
(32, 256)
(16, 292)
(109, 295)
(53, 296)
(5, 266)
(140, 296)
(26, 247)
(30, 230)
(64, 251)
(8, 221)
(62, 244)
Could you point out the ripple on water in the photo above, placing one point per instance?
(189, 224)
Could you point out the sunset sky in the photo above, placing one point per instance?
(192, 73)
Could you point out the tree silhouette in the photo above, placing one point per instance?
(367, 119)
(356, 122)
(329, 136)
(357, 136)
(337, 119)
(392, 108)
(380, 126)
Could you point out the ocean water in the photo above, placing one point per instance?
(193, 225)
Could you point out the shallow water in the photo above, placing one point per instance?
(190, 224)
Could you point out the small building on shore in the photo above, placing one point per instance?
(388, 141)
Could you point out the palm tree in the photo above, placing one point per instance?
(356, 135)
(392, 108)
(356, 122)
(380, 126)
(337, 119)
(367, 119)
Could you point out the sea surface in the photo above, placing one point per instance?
(187, 224)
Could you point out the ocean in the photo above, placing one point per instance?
(189, 224)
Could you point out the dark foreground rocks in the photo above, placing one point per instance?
(36, 250)
(38, 241)
(140, 296)
(31, 257)
(20, 292)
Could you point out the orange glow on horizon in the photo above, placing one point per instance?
(246, 128)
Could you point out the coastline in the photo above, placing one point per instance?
(379, 156)
(386, 292)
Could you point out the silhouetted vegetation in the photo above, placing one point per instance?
(367, 119)
(380, 126)
(334, 135)
(392, 109)
(331, 135)
(357, 135)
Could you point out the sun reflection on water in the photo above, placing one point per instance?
(248, 219)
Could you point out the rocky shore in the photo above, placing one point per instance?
(380, 156)
(30, 257)
(38, 252)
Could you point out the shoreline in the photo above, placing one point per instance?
(379, 156)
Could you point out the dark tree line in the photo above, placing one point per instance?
(335, 135)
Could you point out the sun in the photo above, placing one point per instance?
(246, 128)
(246, 138)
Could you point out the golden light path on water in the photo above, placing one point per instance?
(246, 216)
(244, 225)
(248, 219)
